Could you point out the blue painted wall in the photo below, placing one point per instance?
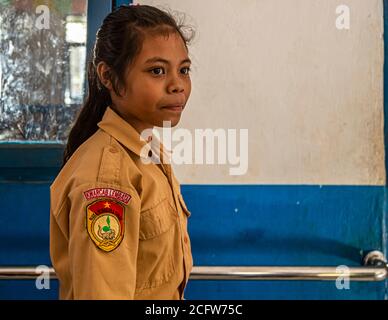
(284, 225)
(230, 225)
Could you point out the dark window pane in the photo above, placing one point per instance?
(42, 68)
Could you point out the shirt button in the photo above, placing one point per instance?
(186, 239)
(113, 150)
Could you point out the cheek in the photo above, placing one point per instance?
(188, 88)
(148, 91)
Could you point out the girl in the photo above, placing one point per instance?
(118, 222)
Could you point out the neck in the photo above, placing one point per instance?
(140, 126)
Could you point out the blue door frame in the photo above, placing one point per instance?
(274, 225)
(386, 88)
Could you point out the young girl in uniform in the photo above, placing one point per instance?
(118, 222)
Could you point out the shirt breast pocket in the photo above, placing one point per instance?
(157, 244)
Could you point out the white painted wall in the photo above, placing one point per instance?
(311, 95)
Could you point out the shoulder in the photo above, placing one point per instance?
(100, 162)
(101, 158)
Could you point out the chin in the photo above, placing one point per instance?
(174, 122)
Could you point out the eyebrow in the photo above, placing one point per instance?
(159, 59)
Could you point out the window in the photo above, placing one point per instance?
(42, 68)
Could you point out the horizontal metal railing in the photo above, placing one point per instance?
(375, 269)
(289, 273)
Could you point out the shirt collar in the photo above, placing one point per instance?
(127, 135)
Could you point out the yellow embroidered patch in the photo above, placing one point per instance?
(105, 223)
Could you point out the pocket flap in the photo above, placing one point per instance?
(157, 220)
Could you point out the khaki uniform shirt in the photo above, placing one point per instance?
(118, 226)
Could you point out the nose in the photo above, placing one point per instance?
(175, 85)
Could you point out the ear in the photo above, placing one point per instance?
(103, 72)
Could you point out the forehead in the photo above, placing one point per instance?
(170, 47)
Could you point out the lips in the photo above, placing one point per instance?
(174, 107)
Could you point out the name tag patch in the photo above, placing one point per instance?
(107, 193)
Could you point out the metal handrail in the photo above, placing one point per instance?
(375, 269)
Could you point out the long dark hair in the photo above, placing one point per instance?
(118, 41)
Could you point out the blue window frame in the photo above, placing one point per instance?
(117, 3)
(30, 161)
(386, 88)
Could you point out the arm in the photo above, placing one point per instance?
(103, 242)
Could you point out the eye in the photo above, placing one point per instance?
(157, 71)
(186, 70)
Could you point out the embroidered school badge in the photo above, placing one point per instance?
(105, 223)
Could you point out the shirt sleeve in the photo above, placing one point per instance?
(103, 241)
